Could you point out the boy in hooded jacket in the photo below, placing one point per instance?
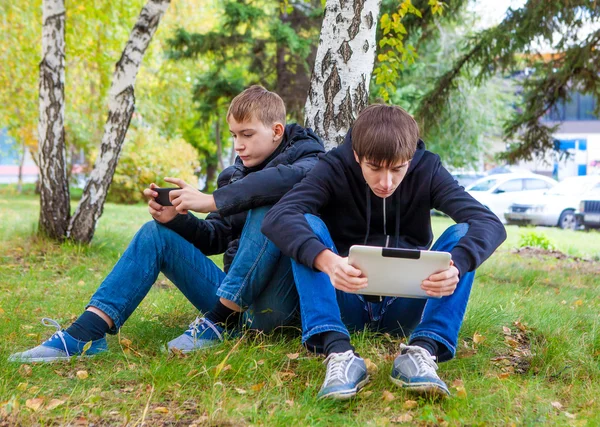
(256, 287)
(377, 189)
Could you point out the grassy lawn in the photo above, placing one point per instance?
(529, 347)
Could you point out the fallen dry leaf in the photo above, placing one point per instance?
(22, 386)
(54, 403)
(34, 404)
(289, 403)
(410, 404)
(511, 342)
(569, 415)
(25, 370)
(506, 330)
(82, 375)
(504, 375)
(192, 373)
(367, 393)
(461, 392)
(241, 390)
(478, 338)
(161, 410)
(557, 405)
(126, 342)
(578, 303)
(292, 356)
(371, 367)
(402, 418)
(387, 396)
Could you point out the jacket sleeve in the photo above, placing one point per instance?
(485, 233)
(210, 235)
(261, 188)
(285, 223)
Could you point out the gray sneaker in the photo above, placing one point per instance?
(346, 375)
(415, 369)
(201, 334)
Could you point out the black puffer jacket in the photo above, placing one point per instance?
(240, 189)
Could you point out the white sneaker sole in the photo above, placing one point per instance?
(421, 388)
(346, 394)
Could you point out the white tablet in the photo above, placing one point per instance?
(397, 272)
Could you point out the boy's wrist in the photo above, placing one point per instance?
(325, 261)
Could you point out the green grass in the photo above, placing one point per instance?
(548, 354)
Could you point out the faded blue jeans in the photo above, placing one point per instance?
(324, 308)
(260, 278)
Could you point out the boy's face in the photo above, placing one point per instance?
(253, 141)
(383, 180)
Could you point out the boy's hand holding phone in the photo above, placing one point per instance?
(162, 214)
(186, 197)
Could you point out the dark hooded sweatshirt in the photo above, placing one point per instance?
(336, 191)
(240, 189)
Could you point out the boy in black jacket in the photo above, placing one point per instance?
(377, 189)
(272, 157)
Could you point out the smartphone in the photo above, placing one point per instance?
(163, 196)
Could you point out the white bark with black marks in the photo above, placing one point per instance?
(54, 189)
(120, 110)
(339, 86)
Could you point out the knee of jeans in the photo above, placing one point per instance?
(154, 232)
(456, 232)
(257, 215)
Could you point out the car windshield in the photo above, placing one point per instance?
(483, 185)
(572, 186)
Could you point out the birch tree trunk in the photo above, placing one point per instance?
(54, 189)
(120, 110)
(339, 86)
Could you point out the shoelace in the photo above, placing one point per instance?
(195, 326)
(59, 333)
(336, 366)
(424, 360)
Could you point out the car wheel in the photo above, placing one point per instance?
(567, 220)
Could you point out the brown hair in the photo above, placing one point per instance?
(257, 102)
(385, 135)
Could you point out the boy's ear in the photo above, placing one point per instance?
(278, 130)
(356, 157)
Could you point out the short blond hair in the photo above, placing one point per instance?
(385, 135)
(257, 102)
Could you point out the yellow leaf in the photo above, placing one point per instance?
(22, 386)
(579, 303)
(504, 375)
(86, 347)
(292, 356)
(125, 342)
(387, 396)
(82, 375)
(257, 387)
(161, 410)
(410, 404)
(54, 403)
(34, 404)
(461, 392)
(81, 283)
(1, 311)
(477, 338)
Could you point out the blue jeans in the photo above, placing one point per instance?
(260, 278)
(323, 308)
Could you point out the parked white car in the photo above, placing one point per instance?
(556, 207)
(589, 208)
(498, 192)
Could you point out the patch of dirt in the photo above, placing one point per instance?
(583, 265)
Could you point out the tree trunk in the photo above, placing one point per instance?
(120, 110)
(219, 144)
(21, 163)
(54, 190)
(339, 86)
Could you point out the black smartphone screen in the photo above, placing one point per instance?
(163, 196)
